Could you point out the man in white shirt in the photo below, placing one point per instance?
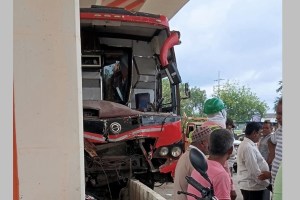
(250, 164)
(263, 146)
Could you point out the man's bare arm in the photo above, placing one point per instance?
(271, 155)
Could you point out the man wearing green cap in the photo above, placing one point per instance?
(216, 113)
(215, 110)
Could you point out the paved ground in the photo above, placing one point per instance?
(166, 190)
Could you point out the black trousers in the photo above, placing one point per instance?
(254, 195)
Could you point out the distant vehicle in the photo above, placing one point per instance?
(191, 125)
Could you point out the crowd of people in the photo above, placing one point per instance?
(259, 167)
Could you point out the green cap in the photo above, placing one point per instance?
(213, 105)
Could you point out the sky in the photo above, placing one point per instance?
(234, 40)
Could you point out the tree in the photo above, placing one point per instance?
(241, 103)
(192, 106)
(166, 90)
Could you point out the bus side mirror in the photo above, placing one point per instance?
(187, 91)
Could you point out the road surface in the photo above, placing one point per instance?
(166, 190)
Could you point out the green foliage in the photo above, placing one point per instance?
(241, 103)
(166, 90)
(192, 106)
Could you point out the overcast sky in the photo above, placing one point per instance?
(240, 39)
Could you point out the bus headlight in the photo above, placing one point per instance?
(164, 151)
(176, 151)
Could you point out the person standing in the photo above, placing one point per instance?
(263, 144)
(215, 110)
(200, 140)
(230, 126)
(250, 164)
(263, 147)
(276, 139)
(220, 149)
(216, 113)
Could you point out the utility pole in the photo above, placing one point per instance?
(219, 79)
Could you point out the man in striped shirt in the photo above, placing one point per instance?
(276, 139)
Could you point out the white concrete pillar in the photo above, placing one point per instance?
(47, 82)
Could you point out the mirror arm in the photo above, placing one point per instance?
(204, 191)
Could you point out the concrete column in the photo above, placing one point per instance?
(48, 106)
